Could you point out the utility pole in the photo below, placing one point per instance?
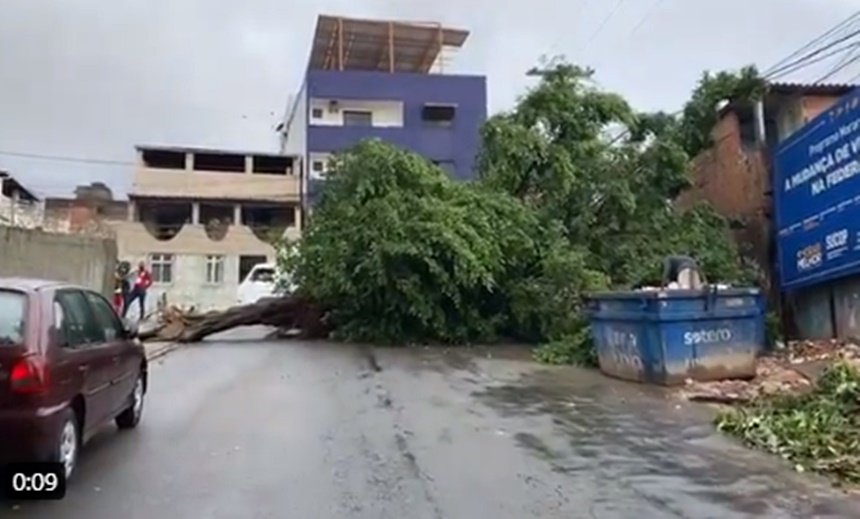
(537, 72)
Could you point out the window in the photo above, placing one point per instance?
(318, 169)
(77, 325)
(162, 268)
(317, 113)
(247, 263)
(163, 159)
(263, 275)
(215, 269)
(106, 318)
(12, 306)
(438, 115)
(271, 165)
(357, 118)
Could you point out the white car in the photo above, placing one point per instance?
(259, 283)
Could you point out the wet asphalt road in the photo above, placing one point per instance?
(258, 429)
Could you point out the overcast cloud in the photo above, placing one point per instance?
(92, 78)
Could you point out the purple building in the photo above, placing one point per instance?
(384, 79)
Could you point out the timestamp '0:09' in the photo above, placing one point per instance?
(33, 481)
(36, 482)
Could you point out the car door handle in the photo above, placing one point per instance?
(83, 368)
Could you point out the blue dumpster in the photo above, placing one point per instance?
(668, 336)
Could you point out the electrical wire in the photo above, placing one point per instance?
(830, 32)
(818, 59)
(839, 68)
(839, 65)
(641, 23)
(814, 53)
(62, 158)
(646, 16)
(602, 25)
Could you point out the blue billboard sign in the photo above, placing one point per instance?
(817, 197)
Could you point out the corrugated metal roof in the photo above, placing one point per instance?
(380, 45)
(828, 89)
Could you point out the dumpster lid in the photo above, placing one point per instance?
(675, 293)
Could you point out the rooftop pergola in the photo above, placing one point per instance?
(379, 45)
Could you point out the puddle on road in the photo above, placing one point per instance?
(650, 448)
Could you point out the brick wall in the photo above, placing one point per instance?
(734, 179)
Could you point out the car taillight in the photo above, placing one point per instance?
(29, 375)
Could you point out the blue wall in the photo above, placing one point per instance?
(817, 197)
(457, 144)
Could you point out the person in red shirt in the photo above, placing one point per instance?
(142, 282)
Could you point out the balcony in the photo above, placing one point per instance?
(162, 183)
(433, 143)
(207, 174)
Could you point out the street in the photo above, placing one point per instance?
(278, 429)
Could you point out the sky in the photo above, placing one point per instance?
(89, 79)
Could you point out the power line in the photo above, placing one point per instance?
(604, 23)
(580, 9)
(839, 68)
(833, 30)
(63, 158)
(814, 53)
(646, 16)
(839, 65)
(818, 59)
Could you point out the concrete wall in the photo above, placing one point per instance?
(456, 145)
(171, 183)
(189, 249)
(77, 259)
(294, 136)
(384, 114)
(189, 287)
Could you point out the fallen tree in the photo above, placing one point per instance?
(286, 313)
(401, 253)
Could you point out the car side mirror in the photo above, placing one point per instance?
(130, 329)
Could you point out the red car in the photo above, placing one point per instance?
(68, 365)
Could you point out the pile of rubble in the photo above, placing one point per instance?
(792, 368)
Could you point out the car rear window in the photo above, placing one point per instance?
(266, 275)
(12, 305)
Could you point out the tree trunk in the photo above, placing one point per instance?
(282, 312)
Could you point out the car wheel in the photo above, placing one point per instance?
(68, 443)
(129, 418)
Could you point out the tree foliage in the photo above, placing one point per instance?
(613, 196)
(700, 112)
(818, 430)
(400, 252)
(574, 195)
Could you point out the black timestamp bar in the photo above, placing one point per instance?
(33, 481)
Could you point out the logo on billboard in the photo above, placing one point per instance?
(836, 240)
(809, 257)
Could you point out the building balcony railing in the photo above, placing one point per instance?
(433, 143)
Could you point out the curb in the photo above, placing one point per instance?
(162, 351)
